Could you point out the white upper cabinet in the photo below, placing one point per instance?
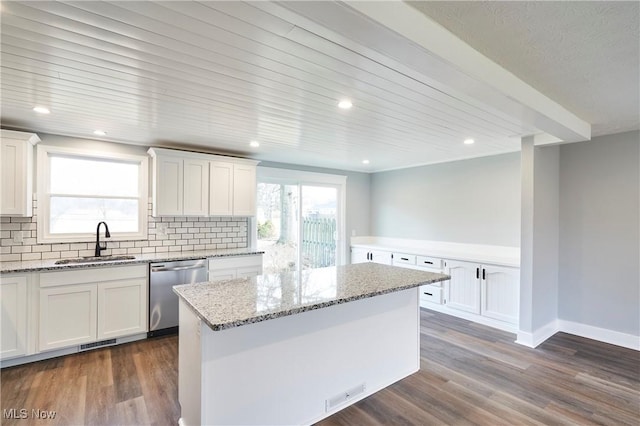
(16, 165)
(232, 188)
(221, 188)
(196, 187)
(194, 184)
(180, 183)
(244, 190)
(168, 183)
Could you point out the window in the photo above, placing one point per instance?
(300, 219)
(77, 190)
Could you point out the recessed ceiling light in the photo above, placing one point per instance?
(41, 110)
(100, 132)
(365, 161)
(254, 144)
(469, 141)
(345, 104)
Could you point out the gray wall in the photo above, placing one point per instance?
(469, 201)
(599, 232)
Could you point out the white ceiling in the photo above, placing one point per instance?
(216, 75)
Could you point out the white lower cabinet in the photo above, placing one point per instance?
(362, 255)
(500, 293)
(14, 311)
(485, 290)
(84, 306)
(483, 293)
(68, 316)
(463, 289)
(229, 268)
(121, 309)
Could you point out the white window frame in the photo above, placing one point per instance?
(44, 191)
(302, 178)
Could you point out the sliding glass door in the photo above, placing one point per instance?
(298, 224)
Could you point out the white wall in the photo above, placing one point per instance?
(546, 196)
(599, 281)
(469, 201)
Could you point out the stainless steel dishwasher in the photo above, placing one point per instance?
(163, 302)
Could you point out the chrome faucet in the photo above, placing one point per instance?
(99, 248)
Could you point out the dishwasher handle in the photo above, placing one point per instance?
(177, 268)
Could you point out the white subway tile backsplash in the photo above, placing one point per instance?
(166, 234)
(31, 256)
(20, 249)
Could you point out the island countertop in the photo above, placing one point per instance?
(233, 303)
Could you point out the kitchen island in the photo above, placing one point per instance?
(296, 347)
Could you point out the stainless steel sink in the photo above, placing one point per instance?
(89, 259)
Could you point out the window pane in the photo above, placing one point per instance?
(319, 220)
(82, 176)
(278, 226)
(71, 215)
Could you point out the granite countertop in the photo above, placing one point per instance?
(49, 265)
(233, 303)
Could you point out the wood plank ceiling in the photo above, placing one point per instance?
(216, 75)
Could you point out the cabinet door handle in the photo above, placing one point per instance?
(483, 274)
(428, 294)
(477, 273)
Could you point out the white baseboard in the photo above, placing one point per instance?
(538, 337)
(500, 325)
(601, 334)
(534, 339)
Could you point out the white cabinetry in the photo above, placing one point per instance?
(228, 268)
(463, 289)
(232, 188)
(500, 293)
(122, 308)
(362, 255)
(194, 184)
(14, 309)
(68, 316)
(82, 306)
(429, 293)
(244, 190)
(196, 188)
(486, 290)
(16, 167)
(180, 183)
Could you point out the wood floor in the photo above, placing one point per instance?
(470, 374)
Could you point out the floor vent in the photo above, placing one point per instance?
(343, 397)
(97, 344)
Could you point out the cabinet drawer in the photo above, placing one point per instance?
(406, 259)
(431, 293)
(429, 262)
